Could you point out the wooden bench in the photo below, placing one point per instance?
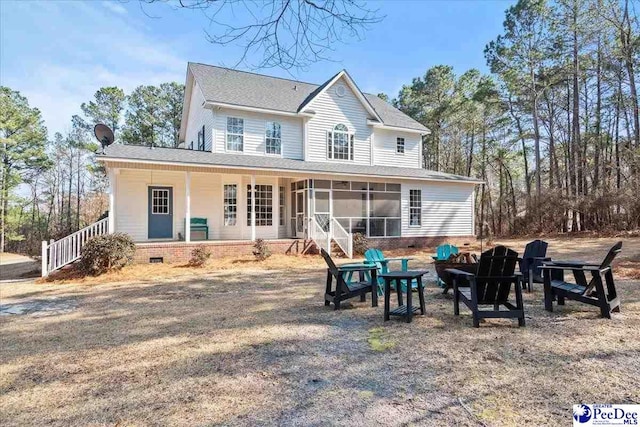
(200, 224)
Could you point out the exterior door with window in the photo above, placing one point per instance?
(322, 208)
(160, 213)
(300, 212)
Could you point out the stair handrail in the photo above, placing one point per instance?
(321, 237)
(58, 253)
(343, 238)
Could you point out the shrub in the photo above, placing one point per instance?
(261, 250)
(108, 252)
(360, 243)
(199, 256)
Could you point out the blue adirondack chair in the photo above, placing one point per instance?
(443, 253)
(377, 257)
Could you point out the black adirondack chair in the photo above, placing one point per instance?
(592, 292)
(535, 253)
(349, 289)
(490, 286)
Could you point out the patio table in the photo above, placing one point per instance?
(398, 277)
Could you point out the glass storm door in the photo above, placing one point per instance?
(300, 211)
(322, 208)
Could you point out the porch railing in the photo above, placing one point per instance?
(319, 235)
(57, 254)
(342, 237)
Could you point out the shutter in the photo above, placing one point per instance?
(351, 147)
(329, 145)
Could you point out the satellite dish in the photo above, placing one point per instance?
(104, 135)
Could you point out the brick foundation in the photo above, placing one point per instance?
(180, 252)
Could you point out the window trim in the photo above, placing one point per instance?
(413, 208)
(404, 145)
(201, 139)
(266, 127)
(154, 198)
(237, 204)
(227, 133)
(330, 148)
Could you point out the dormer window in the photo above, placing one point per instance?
(340, 143)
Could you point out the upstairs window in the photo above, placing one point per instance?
(400, 145)
(273, 138)
(235, 134)
(340, 143)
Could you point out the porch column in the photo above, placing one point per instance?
(113, 188)
(253, 207)
(187, 206)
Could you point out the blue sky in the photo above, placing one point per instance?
(58, 53)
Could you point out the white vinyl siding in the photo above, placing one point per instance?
(254, 132)
(330, 109)
(447, 209)
(386, 149)
(199, 116)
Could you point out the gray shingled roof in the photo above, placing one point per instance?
(242, 88)
(117, 152)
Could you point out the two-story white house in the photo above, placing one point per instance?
(290, 162)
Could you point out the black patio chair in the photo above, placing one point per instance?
(592, 292)
(535, 253)
(490, 286)
(346, 289)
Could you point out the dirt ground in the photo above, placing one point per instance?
(17, 267)
(246, 343)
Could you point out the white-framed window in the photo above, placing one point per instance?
(283, 208)
(264, 205)
(415, 208)
(235, 134)
(230, 204)
(340, 143)
(160, 201)
(273, 138)
(400, 145)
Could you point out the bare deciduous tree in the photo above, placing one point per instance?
(283, 33)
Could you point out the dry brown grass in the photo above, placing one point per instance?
(251, 344)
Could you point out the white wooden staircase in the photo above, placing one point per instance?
(58, 253)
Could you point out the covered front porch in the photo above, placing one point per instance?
(188, 205)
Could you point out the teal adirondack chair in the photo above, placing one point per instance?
(443, 253)
(377, 257)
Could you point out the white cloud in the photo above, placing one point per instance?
(114, 7)
(86, 57)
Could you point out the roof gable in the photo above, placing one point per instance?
(342, 75)
(274, 94)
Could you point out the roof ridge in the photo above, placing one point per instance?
(253, 73)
